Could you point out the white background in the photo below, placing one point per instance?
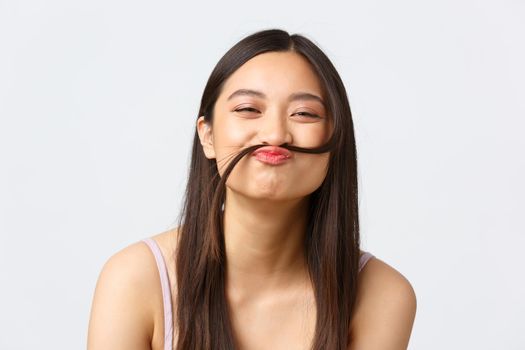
(98, 101)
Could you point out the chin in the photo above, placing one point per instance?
(271, 193)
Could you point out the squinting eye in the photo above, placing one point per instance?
(306, 114)
(247, 109)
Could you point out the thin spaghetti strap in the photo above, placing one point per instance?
(166, 292)
(363, 259)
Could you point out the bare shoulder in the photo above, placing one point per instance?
(125, 301)
(385, 308)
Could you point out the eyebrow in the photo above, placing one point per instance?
(293, 97)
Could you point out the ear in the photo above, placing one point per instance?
(206, 137)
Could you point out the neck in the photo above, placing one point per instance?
(264, 242)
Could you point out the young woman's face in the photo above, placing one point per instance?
(274, 98)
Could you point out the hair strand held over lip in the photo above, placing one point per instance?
(332, 239)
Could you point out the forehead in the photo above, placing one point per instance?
(277, 74)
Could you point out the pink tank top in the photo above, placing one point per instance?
(166, 290)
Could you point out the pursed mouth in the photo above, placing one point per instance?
(270, 157)
(273, 151)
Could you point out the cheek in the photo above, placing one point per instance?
(229, 134)
(228, 140)
(312, 169)
(310, 136)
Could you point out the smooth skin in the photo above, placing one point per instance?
(267, 284)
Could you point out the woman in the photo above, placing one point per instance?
(266, 254)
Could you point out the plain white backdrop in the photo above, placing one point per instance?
(98, 101)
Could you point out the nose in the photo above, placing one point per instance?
(274, 129)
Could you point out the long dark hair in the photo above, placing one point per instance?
(331, 245)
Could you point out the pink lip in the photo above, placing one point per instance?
(272, 155)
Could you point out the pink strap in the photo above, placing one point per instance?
(363, 259)
(166, 293)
